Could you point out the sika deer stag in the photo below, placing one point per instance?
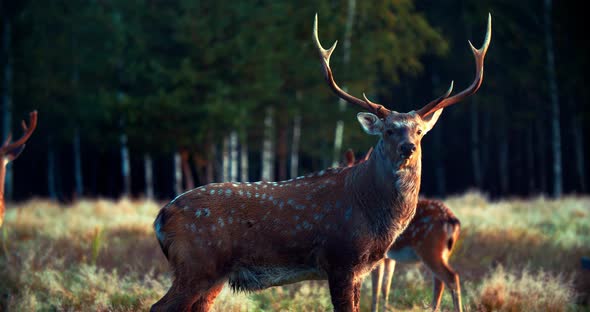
(430, 238)
(10, 151)
(336, 224)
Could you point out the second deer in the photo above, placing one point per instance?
(9, 151)
(430, 238)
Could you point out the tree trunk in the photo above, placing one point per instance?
(554, 96)
(541, 150)
(7, 97)
(485, 147)
(211, 163)
(439, 171)
(503, 162)
(530, 161)
(339, 132)
(148, 169)
(125, 165)
(475, 144)
(244, 161)
(225, 162)
(233, 152)
(189, 182)
(78, 164)
(51, 187)
(578, 135)
(282, 153)
(177, 174)
(295, 145)
(268, 147)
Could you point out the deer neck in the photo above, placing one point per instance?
(387, 195)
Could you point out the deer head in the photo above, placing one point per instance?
(401, 133)
(9, 151)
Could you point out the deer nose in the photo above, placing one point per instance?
(407, 149)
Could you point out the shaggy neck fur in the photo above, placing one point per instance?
(387, 194)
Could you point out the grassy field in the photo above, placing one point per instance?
(97, 255)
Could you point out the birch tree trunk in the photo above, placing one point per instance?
(554, 96)
(78, 164)
(225, 162)
(233, 152)
(7, 97)
(295, 146)
(268, 147)
(177, 174)
(282, 153)
(244, 161)
(148, 170)
(339, 132)
(125, 165)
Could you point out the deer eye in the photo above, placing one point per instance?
(419, 132)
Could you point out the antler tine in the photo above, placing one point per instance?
(28, 131)
(378, 109)
(479, 55)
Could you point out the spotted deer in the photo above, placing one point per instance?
(335, 224)
(429, 238)
(9, 151)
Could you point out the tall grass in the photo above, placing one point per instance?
(101, 255)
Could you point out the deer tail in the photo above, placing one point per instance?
(452, 228)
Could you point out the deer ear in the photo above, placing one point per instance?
(432, 119)
(371, 123)
(13, 153)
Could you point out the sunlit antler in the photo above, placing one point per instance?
(445, 100)
(377, 109)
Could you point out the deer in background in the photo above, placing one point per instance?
(429, 238)
(335, 224)
(10, 151)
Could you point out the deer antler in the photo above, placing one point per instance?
(28, 130)
(445, 100)
(377, 109)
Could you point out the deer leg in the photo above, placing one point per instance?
(437, 291)
(441, 270)
(456, 293)
(386, 285)
(176, 299)
(205, 301)
(342, 287)
(376, 277)
(357, 296)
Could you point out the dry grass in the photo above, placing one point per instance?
(101, 255)
(504, 291)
